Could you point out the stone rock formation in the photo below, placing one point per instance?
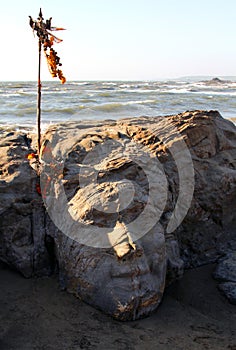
(22, 215)
(225, 273)
(125, 206)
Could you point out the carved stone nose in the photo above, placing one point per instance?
(128, 249)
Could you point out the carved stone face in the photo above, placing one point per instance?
(126, 287)
(112, 250)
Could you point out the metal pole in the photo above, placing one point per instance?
(39, 99)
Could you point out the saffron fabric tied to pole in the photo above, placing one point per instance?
(47, 39)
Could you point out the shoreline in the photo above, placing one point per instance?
(32, 128)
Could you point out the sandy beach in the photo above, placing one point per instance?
(36, 314)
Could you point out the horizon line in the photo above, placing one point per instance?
(134, 80)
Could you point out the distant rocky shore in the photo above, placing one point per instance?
(215, 81)
(127, 279)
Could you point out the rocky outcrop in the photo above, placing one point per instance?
(208, 229)
(131, 203)
(22, 215)
(216, 81)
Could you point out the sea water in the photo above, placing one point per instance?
(112, 100)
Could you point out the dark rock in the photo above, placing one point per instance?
(226, 272)
(216, 81)
(229, 291)
(226, 269)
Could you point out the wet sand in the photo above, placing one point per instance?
(36, 314)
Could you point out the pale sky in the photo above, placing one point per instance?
(123, 39)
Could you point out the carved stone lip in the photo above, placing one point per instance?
(129, 272)
(130, 275)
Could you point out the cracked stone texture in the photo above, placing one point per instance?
(128, 279)
(229, 291)
(22, 231)
(225, 273)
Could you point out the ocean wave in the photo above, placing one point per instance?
(114, 106)
(77, 83)
(108, 107)
(25, 106)
(54, 92)
(175, 91)
(58, 111)
(198, 91)
(25, 111)
(8, 95)
(109, 83)
(104, 94)
(85, 100)
(219, 93)
(141, 102)
(141, 91)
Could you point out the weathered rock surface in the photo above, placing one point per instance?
(226, 268)
(225, 273)
(209, 228)
(98, 178)
(229, 290)
(126, 288)
(22, 215)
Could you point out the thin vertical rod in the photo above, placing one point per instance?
(39, 99)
